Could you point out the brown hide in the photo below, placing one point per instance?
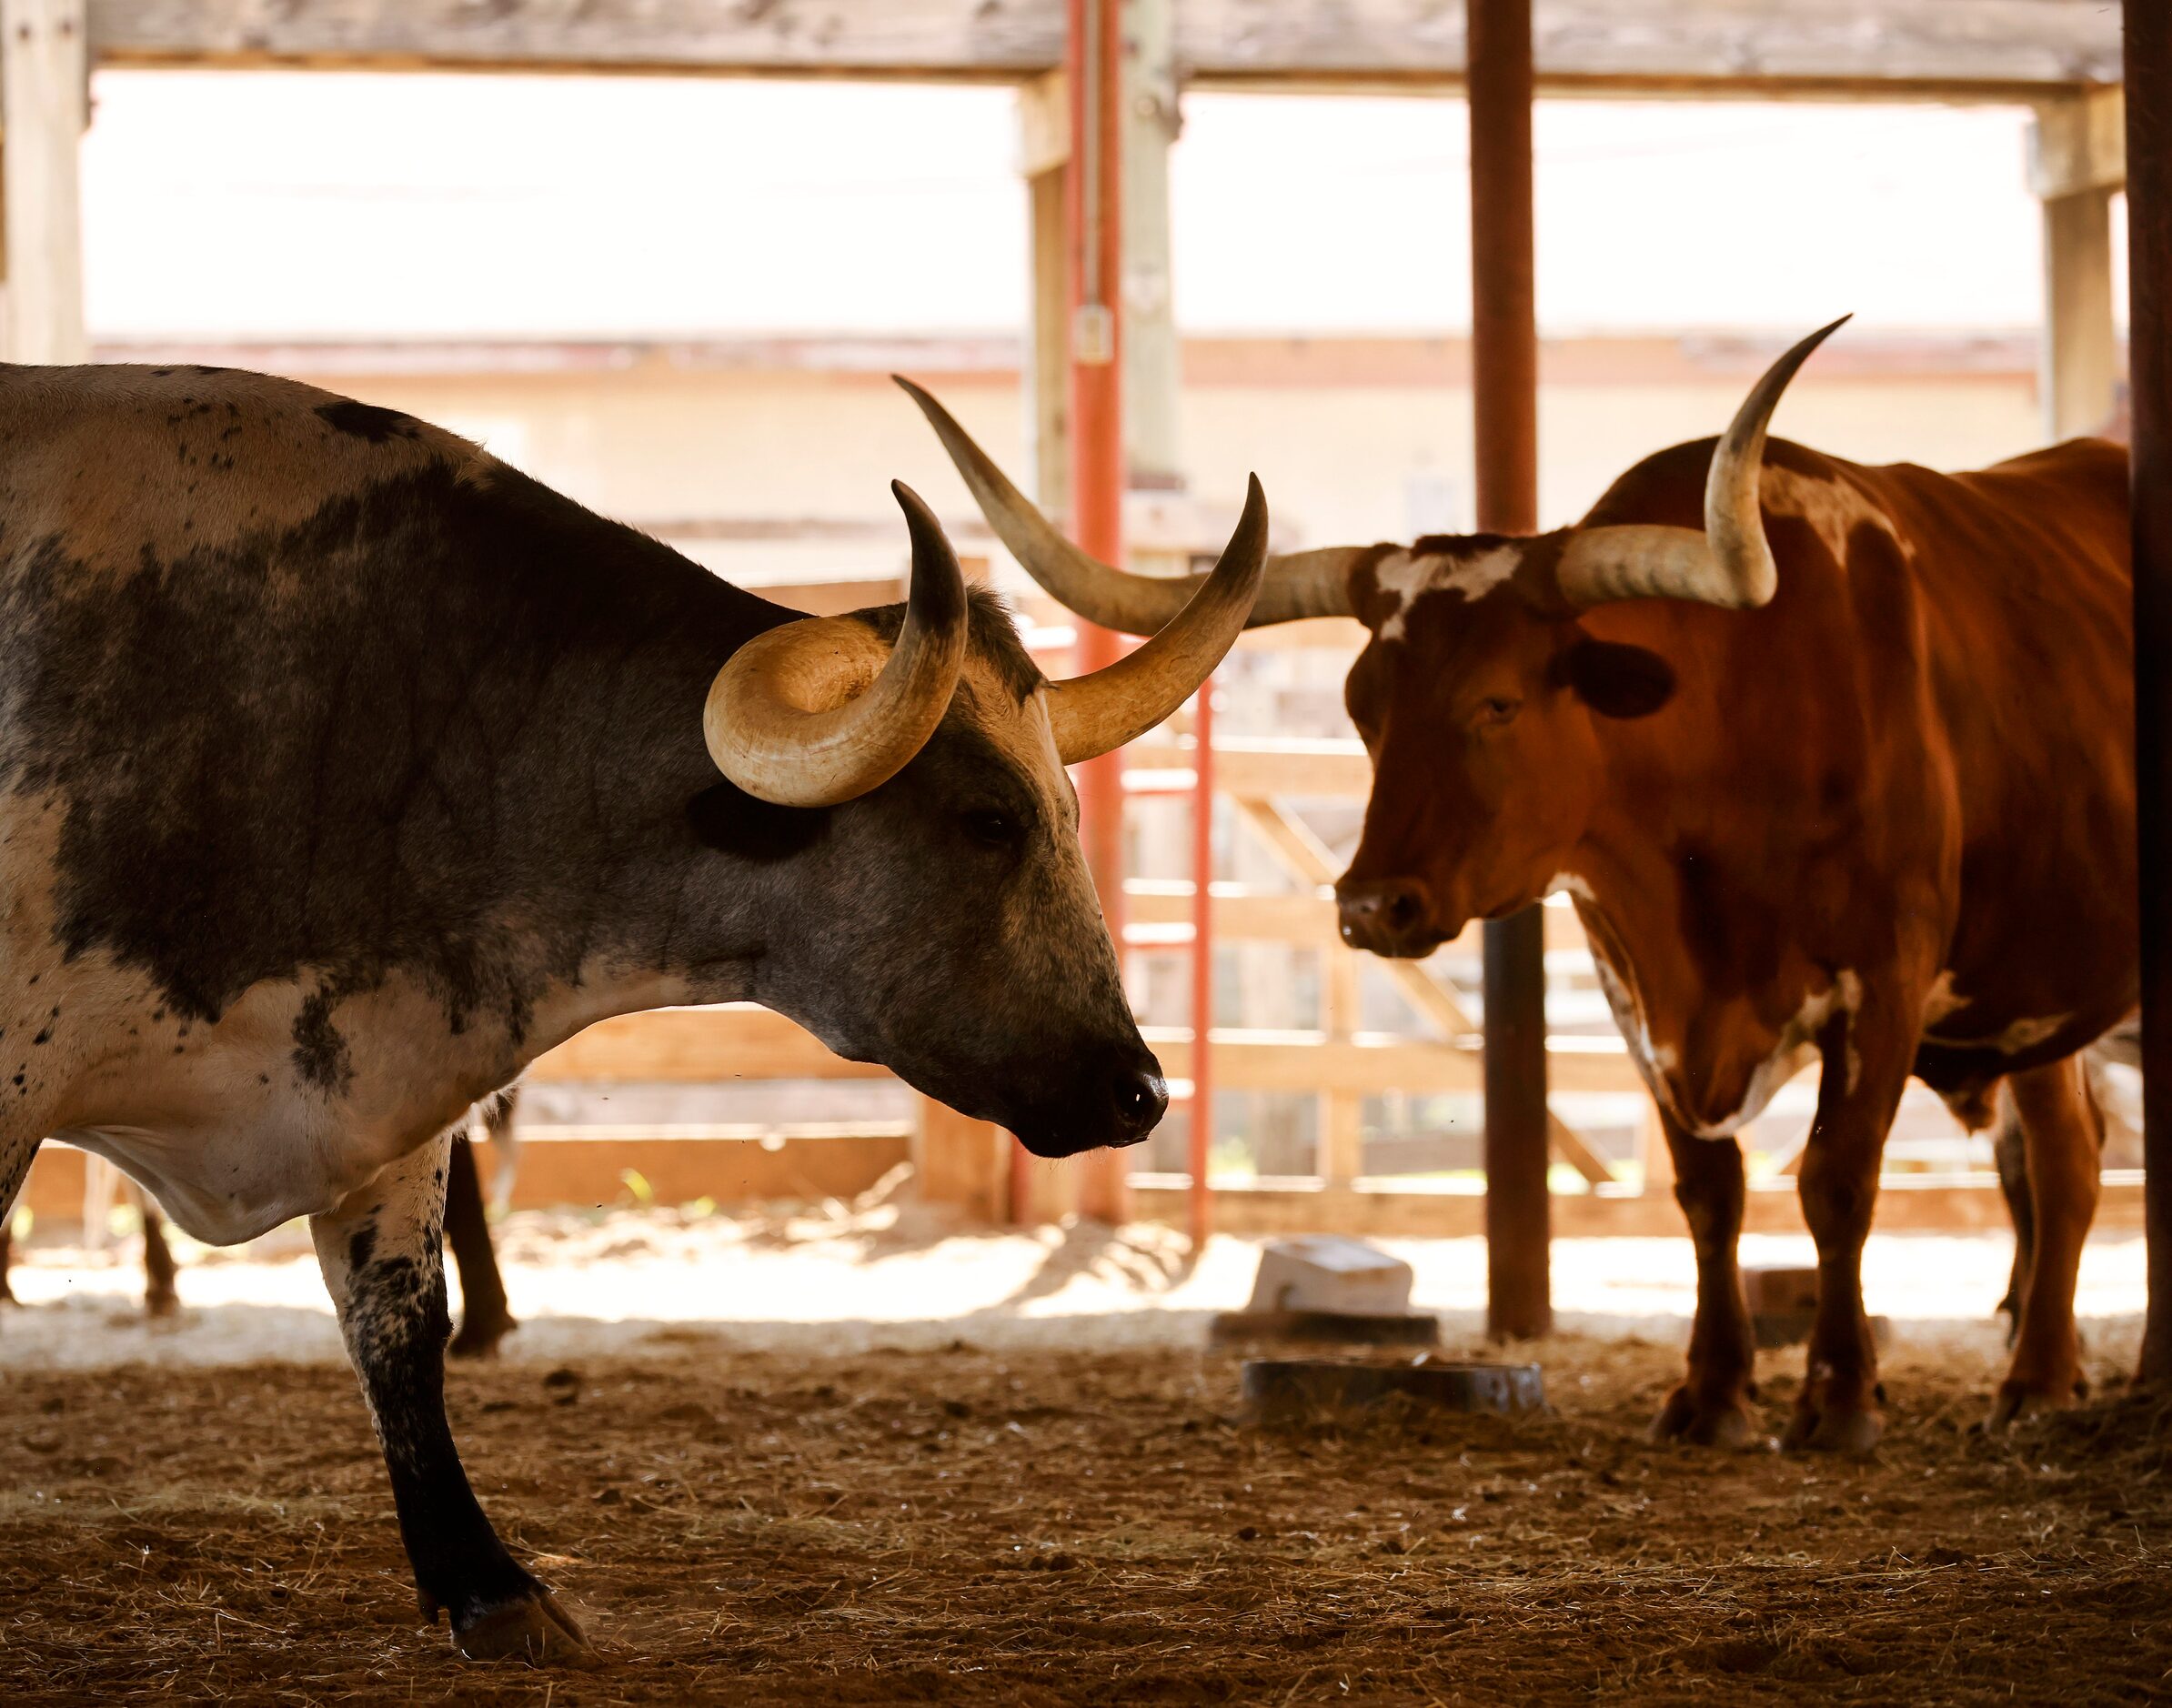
(1919, 758)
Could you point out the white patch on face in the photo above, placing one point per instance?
(1833, 507)
(1410, 578)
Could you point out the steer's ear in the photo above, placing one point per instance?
(1617, 681)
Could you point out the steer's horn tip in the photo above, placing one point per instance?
(1802, 351)
(919, 395)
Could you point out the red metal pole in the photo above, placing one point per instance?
(2149, 284)
(1202, 965)
(1504, 382)
(1094, 192)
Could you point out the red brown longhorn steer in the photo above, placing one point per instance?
(1836, 763)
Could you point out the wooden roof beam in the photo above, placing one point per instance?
(1958, 49)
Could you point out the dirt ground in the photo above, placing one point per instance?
(880, 1517)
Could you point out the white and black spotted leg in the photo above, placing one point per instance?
(384, 1264)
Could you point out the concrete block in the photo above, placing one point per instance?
(1331, 1273)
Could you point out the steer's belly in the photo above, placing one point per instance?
(227, 1185)
(222, 1121)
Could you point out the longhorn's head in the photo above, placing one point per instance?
(1478, 690)
(935, 913)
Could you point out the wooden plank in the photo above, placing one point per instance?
(1043, 125)
(586, 1168)
(43, 91)
(2079, 144)
(1249, 915)
(2150, 285)
(1044, 149)
(1250, 1061)
(1962, 48)
(2080, 378)
(1376, 1211)
(1152, 381)
(698, 1046)
(1342, 1111)
(1568, 1144)
(1256, 768)
(963, 1163)
(2081, 346)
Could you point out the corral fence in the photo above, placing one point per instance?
(1347, 1089)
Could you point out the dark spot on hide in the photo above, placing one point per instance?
(361, 1248)
(319, 1052)
(367, 421)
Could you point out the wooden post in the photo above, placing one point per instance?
(963, 1163)
(2076, 163)
(1201, 1198)
(1043, 160)
(2149, 285)
(42, 85)
(1152, 375)
(1504, 381)
(1342, 1112)
(1093, 67)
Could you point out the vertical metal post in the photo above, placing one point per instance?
(1093, 49)
(1505, 377)
(1203, 965)
(2149, 284)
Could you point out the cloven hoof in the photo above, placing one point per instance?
(534, 1629)
(2019, 1399)
(1852, 1431)
(1729, 1427)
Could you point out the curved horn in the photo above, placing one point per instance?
(1092, 715)
(818, 711)
(1729, 562)
(1301, 583)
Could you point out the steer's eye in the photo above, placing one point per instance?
(990, 828)
(1496, 709)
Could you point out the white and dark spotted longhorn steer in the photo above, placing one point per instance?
(344, 770)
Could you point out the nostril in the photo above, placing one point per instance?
(1140, 1100)
(1402, 909)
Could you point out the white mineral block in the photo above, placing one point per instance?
(1331, 1273)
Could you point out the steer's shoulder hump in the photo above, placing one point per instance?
(122, 458)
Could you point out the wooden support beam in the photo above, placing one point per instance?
(961, 1163)
(1505, 389)
(1044, 156)
(1342, 1108)
(2080, 364)
(1907, 1204)
(1258, 770)
(1569, 1146)
(2149, 262)
(42, 86)
(1958, 49)
(2077, 160)
(2078, 143)
(1153, 378)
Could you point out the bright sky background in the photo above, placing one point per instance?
(261, 205)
